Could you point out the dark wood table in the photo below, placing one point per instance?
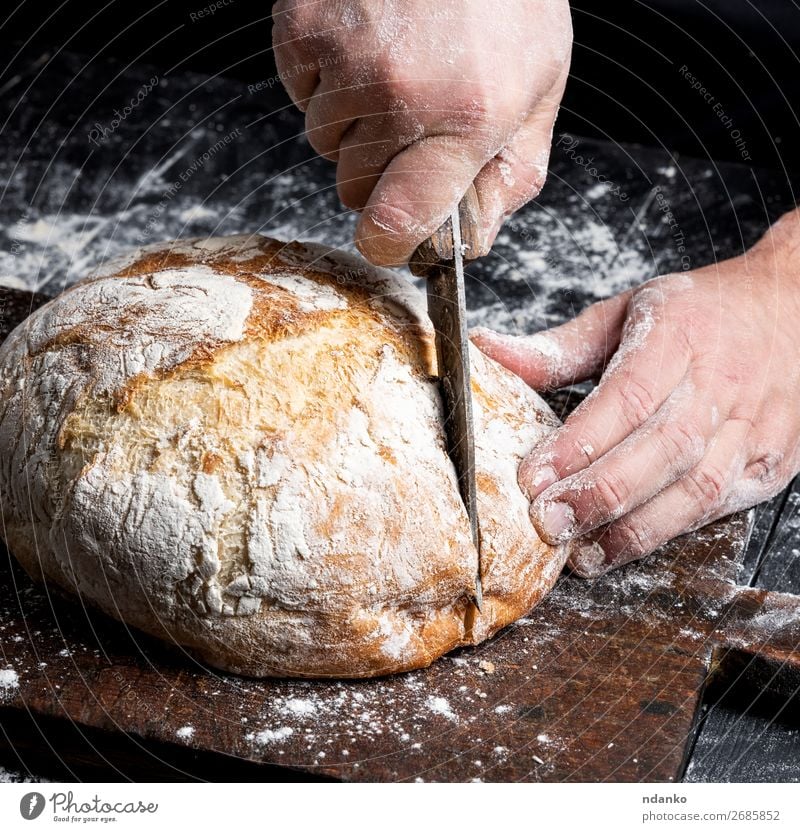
(692, 684)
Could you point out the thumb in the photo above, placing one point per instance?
(415, 194)
(567, 354)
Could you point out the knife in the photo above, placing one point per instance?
(440, 260)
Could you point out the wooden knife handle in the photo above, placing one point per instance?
(438, 248)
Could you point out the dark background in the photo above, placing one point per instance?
(626, 83)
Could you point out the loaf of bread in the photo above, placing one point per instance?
(236, 445)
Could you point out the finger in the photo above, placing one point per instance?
(517, 174)
(330, 113)
(653, 457)
(415, 194)
(573, 352)
(646, 368)
(365, 152)
(694, 500)
(296, 62)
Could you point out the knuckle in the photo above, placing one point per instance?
(286, 28)
(678, 440)
(676, 284)
(648, 298)
(399, 81)
(768, 469)
(583, 448)
(609, 495)
(396, 84)
(295, 18)
(666, 287)
(735, 374)
(487, 117)
(638, 403)
(706, 486)
(484, 107)
(633, 538)
(745, 417)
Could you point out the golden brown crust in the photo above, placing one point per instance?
(236, 445)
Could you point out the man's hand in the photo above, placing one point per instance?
(415, 100)
(697, 413)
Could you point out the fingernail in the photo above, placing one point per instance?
(589, 560)
(556, 521)
(541, 481)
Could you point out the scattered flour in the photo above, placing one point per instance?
(270, 735)
(598, 191)
(7, 776)
(185, 733)
(439, 705)
(300, 707)
(9, 683)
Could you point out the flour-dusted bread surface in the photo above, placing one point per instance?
(236, 445)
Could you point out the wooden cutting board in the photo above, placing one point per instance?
(601, 682)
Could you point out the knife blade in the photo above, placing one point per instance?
(441, 261)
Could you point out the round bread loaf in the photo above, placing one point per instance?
(236, 445)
